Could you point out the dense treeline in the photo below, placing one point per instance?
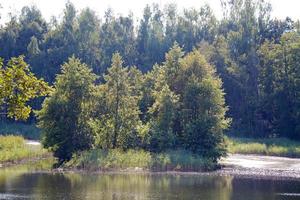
(255, 56)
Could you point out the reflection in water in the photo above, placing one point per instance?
(24, 184)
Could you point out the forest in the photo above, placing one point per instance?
(176, 78)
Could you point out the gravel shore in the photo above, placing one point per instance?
(260, 166)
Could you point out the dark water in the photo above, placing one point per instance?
(25, 183)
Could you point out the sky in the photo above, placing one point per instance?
(281, 8)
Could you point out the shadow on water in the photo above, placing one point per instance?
(29, 182)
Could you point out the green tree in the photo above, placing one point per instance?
(59, 44)
(118, 124)
(117, 35)
(88, 39)
(65, 113)
(279, 86)
(188, 109)
(203, 107)
(18, 86)
(8, 38)
(33, 47)
(143, 37)
(32, 25)
(163, 112)
(218, 54)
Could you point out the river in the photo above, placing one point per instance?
(35, 181)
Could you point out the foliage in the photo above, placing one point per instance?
(203, 107)
(163, 112)
(108, 116)
(231, 43)
(188, 107)
(65, 113)
(18, 86)
(118, 123)
(280, 85)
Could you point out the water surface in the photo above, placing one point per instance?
(33, 182)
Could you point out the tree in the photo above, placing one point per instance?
(18, 86)
(172, 66)
(201, 112)
(59, 44)
(203, 107)
(171, 25)
(32, 25)
(88, 39)
(143, 38)
(279, 86)
(33, 47)
(188, 109)
(118, 123)
(218, 55)
(163, 112)
(65, 113)
(8, 39)
(117, 35)
(151, 38)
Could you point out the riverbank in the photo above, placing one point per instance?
(178, 160)
(235, 165)
(139, 160)
(282, 147)
(258, 166)
(171, 162)
(16, 150)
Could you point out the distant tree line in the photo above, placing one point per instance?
(256, 56)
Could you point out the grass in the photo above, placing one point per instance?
(177, 160)
(101, 160)
(272, 146)
(14, 148)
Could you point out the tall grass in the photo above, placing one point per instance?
(104, 160)
(269, 146)
(14, 148)
(28, 131)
